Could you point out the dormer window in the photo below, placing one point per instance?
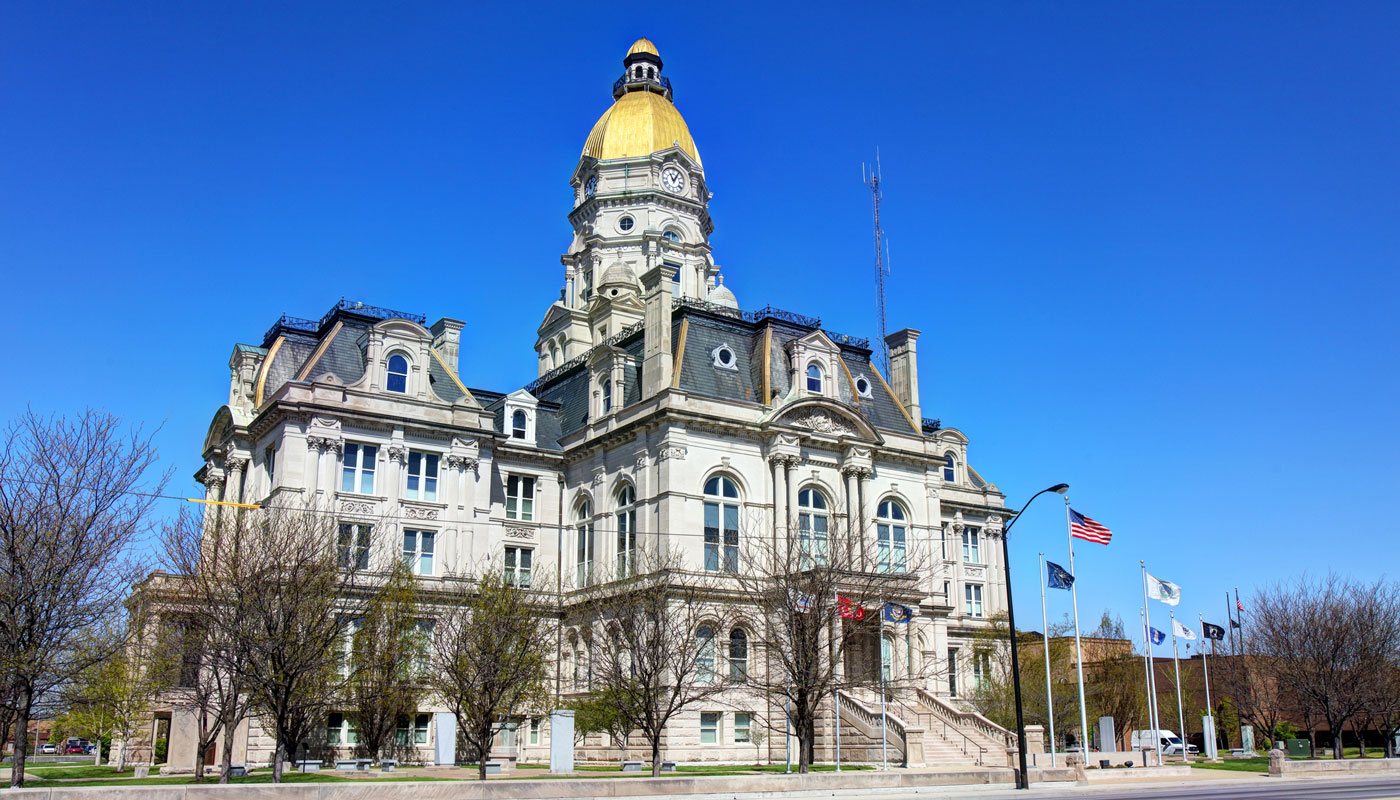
(814, 378)
(519, 422)
(724, 358)
(398, 374)
(950, 467)
(863, 386)
(607, 395)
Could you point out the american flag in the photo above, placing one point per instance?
(1081, 527)
(1239, 605)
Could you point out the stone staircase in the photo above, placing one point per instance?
(921, 729)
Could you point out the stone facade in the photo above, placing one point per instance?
(651, 382)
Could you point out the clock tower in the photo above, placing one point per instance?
(640, 202)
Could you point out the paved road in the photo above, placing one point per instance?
(1236, 788)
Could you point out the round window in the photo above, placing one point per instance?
(725, 356)
(626, 223)
(863, 386)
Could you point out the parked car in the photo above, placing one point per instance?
(48, 749)
(75, 749)
(1171, 743)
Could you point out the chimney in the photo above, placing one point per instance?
(904, 370)
(447, 339)
(656, 359)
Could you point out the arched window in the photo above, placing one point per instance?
(891, 534)
(626, 532)
(950, 466)
(671, 236)
(721, 525)
(583, 563)
(814, 378)
(886, 659)
(398, 374)
(607, 395)
(738, 655)
(705, 654)
(813, 521)
(518, 424)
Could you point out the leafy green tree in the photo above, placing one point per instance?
(388, 656)
(490, 658)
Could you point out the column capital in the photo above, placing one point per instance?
(397, 453)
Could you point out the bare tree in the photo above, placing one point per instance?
(658, 633)
(75, 500)
(389, 657)
(490, 657)
(294, 583)
(1326, 640)
(818, 595)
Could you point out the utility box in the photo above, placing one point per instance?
(1299, 748)
(561, 741)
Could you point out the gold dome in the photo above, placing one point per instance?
(643, 45)
(639, 124)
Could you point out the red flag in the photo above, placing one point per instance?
(848, 608)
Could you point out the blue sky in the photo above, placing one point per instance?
(1152, 246)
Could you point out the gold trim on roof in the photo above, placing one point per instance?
(262, 373)
(680, 353)
(917, 430)
(451, 373)
(639, 124)
(320, 351)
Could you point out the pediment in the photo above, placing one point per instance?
(823, 416)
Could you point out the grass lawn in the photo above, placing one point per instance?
(89, 775)
(1261, 763)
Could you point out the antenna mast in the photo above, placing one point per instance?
(872, 180)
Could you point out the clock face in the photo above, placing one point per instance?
(673, 180)
(591, 188)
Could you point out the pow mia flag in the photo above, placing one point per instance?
(1212, 631)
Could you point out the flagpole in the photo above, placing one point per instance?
(1205, 666)
(836, 671)
(1180, 713)
(1234, 676)
(1151, 666)
(1049, 695)
(1146, 657)
(1078, 654)
(884, 738)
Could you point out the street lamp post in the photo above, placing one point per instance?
(1023, 778)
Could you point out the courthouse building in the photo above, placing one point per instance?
(666, 414)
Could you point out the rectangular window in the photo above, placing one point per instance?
(709, 727)
(519, 561)
(270, 465)
(422, 476)
(626, 542)
(981, 670)
(345, 645)
(953, 671)
(340, 730)
(354, 543)
(418, 548)
(520, 498)
(422, 644)
(413, 730)
(972, 546)
(357, 471)
(891, 547)
(583, 561)
(535, 731)
(721, 537)
(741, 727)
(972, 599)
(675, 279)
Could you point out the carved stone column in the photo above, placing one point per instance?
(996, 565)
(780, 507)
(234, 465)
(862, 511)
(213, 490)
(397, 456)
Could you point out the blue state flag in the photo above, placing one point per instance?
(1057, 576)
(1157, 636)
(894, 612)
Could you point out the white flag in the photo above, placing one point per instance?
(1166, 591)
(1182, 632)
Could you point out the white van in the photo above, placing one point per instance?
(1170, 742)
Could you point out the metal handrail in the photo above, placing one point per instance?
(966, 740)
